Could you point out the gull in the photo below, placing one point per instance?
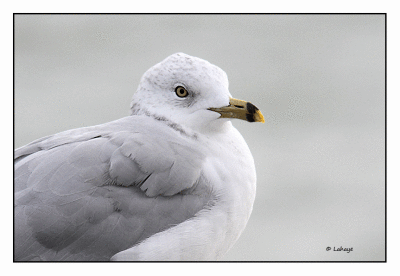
(174, 181)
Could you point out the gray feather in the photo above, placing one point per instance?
(87, 194)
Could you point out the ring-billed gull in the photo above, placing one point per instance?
(173, 181)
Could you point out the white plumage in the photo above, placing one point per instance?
(173, 181)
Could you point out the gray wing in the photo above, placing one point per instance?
(90, 193)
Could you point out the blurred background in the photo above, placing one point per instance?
(318, 79)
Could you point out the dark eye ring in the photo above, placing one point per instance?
(181, 91)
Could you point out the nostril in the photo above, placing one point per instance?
(239, 106)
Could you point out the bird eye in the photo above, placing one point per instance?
(181, 92)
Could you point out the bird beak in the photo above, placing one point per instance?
(241, 110)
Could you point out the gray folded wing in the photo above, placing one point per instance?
(87, 194)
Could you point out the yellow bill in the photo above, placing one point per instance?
(241, 110)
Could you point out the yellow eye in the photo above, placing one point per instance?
(181, 92)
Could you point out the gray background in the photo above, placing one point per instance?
(318, 79)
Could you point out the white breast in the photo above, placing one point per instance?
(229, 174)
